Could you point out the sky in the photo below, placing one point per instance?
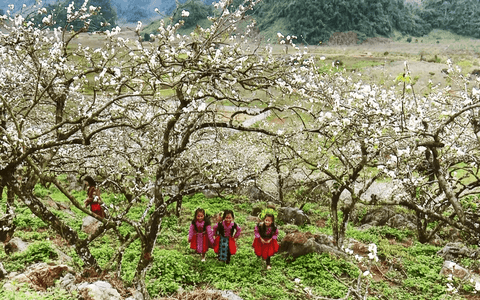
(128, 11)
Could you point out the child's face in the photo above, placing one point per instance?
(200, 216)
(268, 221)
(228, 218)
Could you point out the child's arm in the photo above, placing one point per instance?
(237, 233)
(191, 232)
(275, 235)
(210, 234)
(256, 232)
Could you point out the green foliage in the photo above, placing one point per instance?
(106, 19)
(211, 205)
(170, 270)
(41, 251)
(424, 276)
(315, 21)
(316, 271)
(23, 292)
(197, 11)
(25, 219)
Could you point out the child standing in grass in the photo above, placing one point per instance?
(227, 232)
(266, 233)
(93, 197)
(200, 234)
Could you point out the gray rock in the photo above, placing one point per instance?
(230, 295)
(293, 216)
(450, 267)
(256, 211)
(67, 282)
(136, 296)
(209, 194)
(15, 245)
(100, 290)
(90, 225)
(3, 272)
(298, 243)
(452, 251)
(378, 217)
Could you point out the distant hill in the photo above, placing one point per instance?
(314, 21)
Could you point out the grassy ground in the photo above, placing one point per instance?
(406, 269)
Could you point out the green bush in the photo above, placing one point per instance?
(36, 252)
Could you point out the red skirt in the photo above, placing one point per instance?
(97, 209)
(232, 245)
(265, 250)
(206, 243)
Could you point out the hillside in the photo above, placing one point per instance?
(399, 265)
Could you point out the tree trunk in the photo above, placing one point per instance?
(70, 235)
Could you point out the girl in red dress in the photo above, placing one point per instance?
(93, 200)
(265, 242)
(200, 234)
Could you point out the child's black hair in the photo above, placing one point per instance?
(263, 228)
(90, 180)
(206, 218)
(271, 216)
(226, 212)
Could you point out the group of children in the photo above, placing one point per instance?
(222, 237)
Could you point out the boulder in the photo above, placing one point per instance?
(299, 243)
(453, 251)
(256, 211)
(209, 194)
(100, 290)
(15, 245)
(254, 193)
(378, 217)
(40, 276)
(67, 282)
(90, 225)
(293, 216)
(3, 272)
(450, 267)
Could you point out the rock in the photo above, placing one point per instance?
(67, 282)
(271, 205)
(378, 217)
(3, 272)
(298, 243)
(136, 296)
(100, 290)
(400, 222)
(15, 245)
(40, 276)
(254, 193)
(452, 251)
(256, 211)
(209, 194)
(90, 225)
(230, 295)
(293, 216)
(75, 185)
(450, 267)
(253, 219)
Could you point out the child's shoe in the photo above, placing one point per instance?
(269, 267)
(203, 259)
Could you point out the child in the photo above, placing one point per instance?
(265, 242)
(227, 232)
(200, 234)
(93, 198)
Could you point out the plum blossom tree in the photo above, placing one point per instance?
(436, 161)
(156, 121)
